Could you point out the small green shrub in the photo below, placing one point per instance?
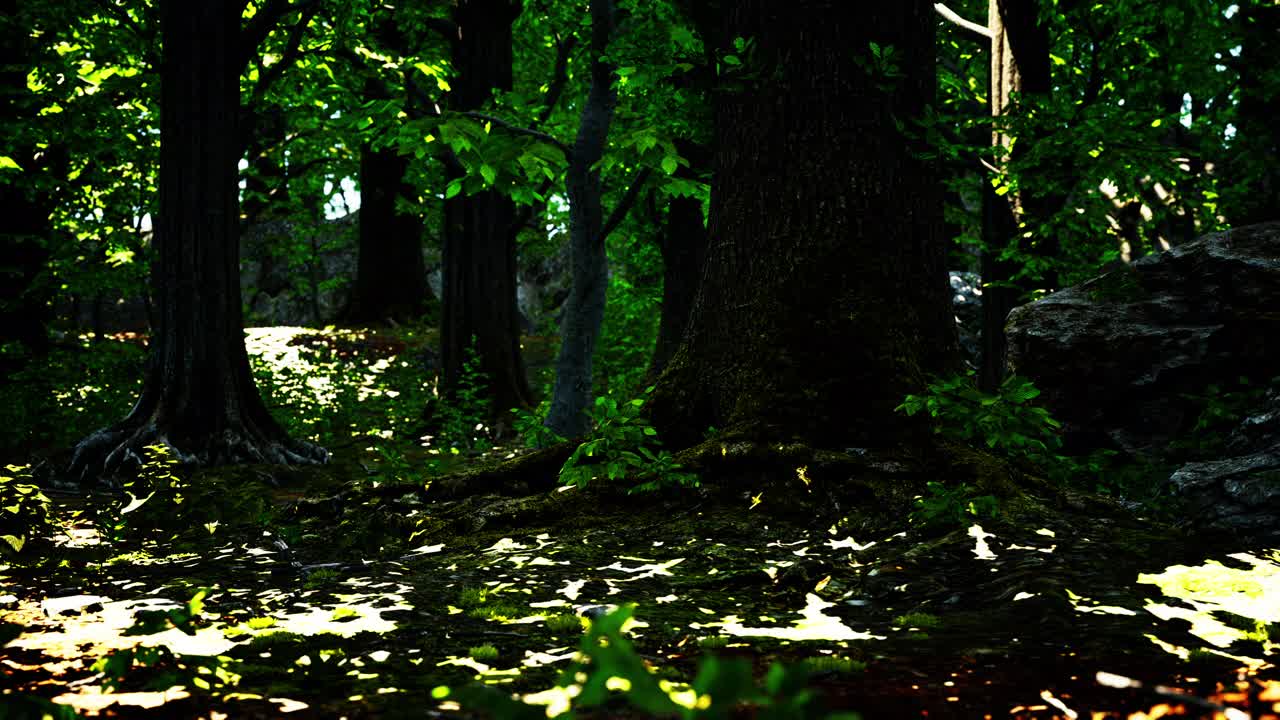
(564, 623)
(624, 444)
(1006, 422)
(24, 510)
(950, 506)
(473, 597)
(483, 653)
(713, 642)
(529, 425)
(834, 664)
(917, 620)
(462, 417)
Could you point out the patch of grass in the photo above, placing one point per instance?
(917, 620)
(261, 623)
(564, 623)
(320, 578)
(472, 597)
(266, 641)
(497, 611)
(834, 664)
(483, 653)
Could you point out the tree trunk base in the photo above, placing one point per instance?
(107, 451)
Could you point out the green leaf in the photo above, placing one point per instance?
(488, 173)
(670, 164)
(8, 163)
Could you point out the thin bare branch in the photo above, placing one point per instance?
(951, 16)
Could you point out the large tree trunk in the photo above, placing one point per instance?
(824, 299)
(391, 276)
(589, 264)
(480, 235)
(683, 242)
(27, 200)
(198, 397)
(1019, 67)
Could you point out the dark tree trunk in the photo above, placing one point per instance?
(391, 276)
(683, 242)
(479, 271)
(589, 264)
(198, 397)
(26, 198)
(1256, 162)
(1019, 67)
(825, 298)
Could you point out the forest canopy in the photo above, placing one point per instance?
(544, 358)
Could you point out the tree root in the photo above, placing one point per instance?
(107, 451)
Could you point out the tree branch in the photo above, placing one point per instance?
(516, 129)
(262, 23)
(625, 202)
(969, 25)
(559, 78)
(290, 55)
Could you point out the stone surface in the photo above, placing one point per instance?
(1127, 361)
(966, 302)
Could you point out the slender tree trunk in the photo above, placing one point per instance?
(1019, 67)
(391, 276)
(589, 264)
(198, 396)
(480, 268)
(825, 297)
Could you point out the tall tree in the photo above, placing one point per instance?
(824, 297)
(479, 303)
(1019, 77)
(26, 194)
(683, 242)
(198, 396)
(589, 263)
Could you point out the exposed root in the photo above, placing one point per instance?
(105, 452)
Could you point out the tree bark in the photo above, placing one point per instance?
(825, 298)
(391, 276)
(683, 242)
(198, 396)
(1019, 69)
(26, 198)
(589, 264)
(479, 273)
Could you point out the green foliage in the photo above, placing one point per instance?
(917, 620)
(462, 416)
(607, 661)
(564, 624)
(530, 427)
(483, 653)
(630, 325)
(834, 664)
(951, 506)
(1006, 422)
(1222, 408)
(624, 444)
(24, 510)
(159, 668)
(156, 499)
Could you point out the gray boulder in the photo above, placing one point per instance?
(966, 303)
(1127, 361)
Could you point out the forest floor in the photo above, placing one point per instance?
(324, 598)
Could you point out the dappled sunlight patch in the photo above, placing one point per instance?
(1084, 605)
(981, 549)
(100, 625)
(92, 699)
(813, 624)
(647, 570)
(1208, 592)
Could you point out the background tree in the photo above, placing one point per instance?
(199, 396)
(479, 254)
(824, 297)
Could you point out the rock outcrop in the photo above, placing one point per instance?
(1131, 360)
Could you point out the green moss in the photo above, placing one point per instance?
(483, 653)
(917, 620)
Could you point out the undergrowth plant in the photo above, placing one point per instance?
(24, 512)
(607, 667)
(529, 426)
(1006, 422)
(623, 444)
(463, 415)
